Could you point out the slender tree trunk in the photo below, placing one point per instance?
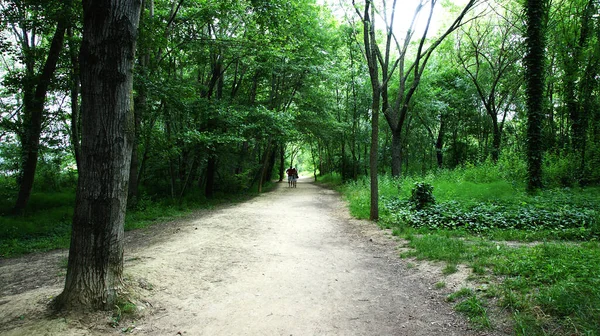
(281, 162)
(188, 178)
(34, 112)
(132, 194)
(75, 115)
(271, 165)
(265, 164)
(439, 144)
(211, 170)
(140, 105)
(95, 268)
(370, 43)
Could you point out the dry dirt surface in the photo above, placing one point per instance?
(288, 262)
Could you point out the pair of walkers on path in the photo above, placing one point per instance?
(292, 174)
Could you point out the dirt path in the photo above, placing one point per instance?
(289, 262)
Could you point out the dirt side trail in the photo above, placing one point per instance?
(289, 262)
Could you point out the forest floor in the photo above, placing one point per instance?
(288, 262)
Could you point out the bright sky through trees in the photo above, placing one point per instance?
(404, 13)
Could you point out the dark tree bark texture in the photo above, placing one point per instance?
(107, 55)
(535, 11)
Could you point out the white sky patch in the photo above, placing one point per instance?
(405, 10)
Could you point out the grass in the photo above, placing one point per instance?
(476, 311)
(331, 179)
(549, 282)
(546, 286)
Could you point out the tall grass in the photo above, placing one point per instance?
(550, 288)
(466, 185)
(331, 179)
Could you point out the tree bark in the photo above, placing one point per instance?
(265, 164)
(535, 11)
(496, 140)
(396, 152)
(139, 109)
(439, 144)
(95, 267)
(34, 103)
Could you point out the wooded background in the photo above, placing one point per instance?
(226, 93)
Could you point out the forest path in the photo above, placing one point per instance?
(289, 262)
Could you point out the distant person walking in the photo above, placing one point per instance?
(292, 174)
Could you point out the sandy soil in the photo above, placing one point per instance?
(289, 262)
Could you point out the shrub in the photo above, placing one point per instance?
(422, 195)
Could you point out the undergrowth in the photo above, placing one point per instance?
(547, 280)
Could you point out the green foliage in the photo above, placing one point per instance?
(123, 309)
(461, 293)
(421, 195)
(438, 247)
(552, 285)
(560, 170)
(478, 200)
(331, 178)
(564, 222)
(356, 192)
(45, 225)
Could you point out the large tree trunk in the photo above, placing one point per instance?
(535, 11)
(34, 102)
(95, 268)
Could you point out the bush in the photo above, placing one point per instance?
(422, 195)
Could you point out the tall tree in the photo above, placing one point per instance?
(23, 18)
(371, 53)
(489, 54)
(536, 14)
(409, 71)
(107, 54)
(580, 65)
